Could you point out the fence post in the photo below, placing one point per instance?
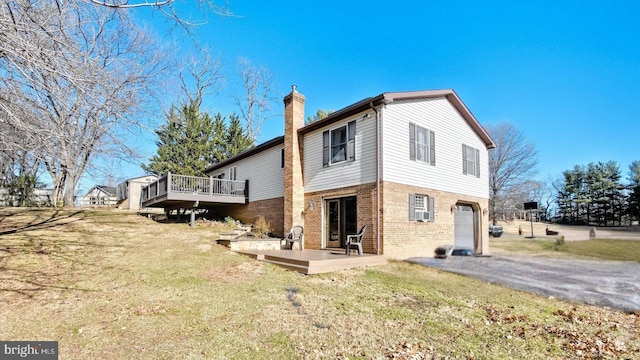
(168, 182)
(210, 185)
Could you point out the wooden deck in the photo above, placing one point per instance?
(180, 191)
(315, 261)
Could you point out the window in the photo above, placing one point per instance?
(232, 173)
(421, 207)
(470, 161)
(422, 144)
(339, 144)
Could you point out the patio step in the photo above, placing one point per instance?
(315, 261)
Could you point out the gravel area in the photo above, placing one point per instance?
(614, 284)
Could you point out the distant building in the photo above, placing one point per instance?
(128, 191)
(99, 196)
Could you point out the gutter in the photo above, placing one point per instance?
(377, 177)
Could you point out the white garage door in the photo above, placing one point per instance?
(463, 219)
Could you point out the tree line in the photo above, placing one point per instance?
(78, 78)
(596, 194)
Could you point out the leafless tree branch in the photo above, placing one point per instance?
(255, 106)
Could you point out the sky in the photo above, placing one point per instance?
(565, 73)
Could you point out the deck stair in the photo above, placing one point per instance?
(239, 231)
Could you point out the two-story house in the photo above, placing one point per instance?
(411, 166)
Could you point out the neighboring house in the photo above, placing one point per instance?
(99, 196)
(411, 166)
(128, 191)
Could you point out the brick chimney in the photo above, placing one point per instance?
(293, 184)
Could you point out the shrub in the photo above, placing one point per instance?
(261, 228)
(559, 242)
(229, 221)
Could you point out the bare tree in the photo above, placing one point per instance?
(202, 76)
(75, 75)
(512, 162)
(169, 9)
(255, 105)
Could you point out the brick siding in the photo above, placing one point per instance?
(271, 209)
(404, 238)
(366, 208)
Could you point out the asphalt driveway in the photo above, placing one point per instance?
(615, 284)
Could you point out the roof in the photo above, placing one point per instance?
(109, 190)
(254, 150)
(387, 98)
(141, 177)
(367, 103)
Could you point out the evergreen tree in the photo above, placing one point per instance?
(191, 141)
(319, 115)
(592, 195)
(237, 138)
(633, 200)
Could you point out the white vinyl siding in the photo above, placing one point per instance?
(266, 177)
(360, 167)
(439, 116)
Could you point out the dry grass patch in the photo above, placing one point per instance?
(603, 249)
(115, 285)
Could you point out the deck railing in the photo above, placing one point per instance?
(184, 184)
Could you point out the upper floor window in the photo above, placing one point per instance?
(422, 144)
(232, 173)
(470, 160)
(339, 144)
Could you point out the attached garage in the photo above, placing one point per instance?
(464, 227)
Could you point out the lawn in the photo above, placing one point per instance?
(115, 285)
(603, 249)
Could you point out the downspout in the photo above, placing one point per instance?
(377, 178)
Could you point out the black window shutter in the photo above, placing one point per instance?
(351, 144)
(412, 141)
(464, 159)
(282, 158)
(477, 163)
(412, 207)
(432, 148)
(325, 148)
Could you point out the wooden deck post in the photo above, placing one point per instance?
(246, 191)
(192, 222)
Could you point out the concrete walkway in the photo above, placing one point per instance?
(614, 284)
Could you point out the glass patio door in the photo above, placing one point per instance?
(340, 221)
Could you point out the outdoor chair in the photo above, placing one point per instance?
(295, 235)
(355, 240)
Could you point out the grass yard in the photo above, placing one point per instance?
(114, 285)
(604, 249)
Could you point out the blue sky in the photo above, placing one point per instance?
(567, 74)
